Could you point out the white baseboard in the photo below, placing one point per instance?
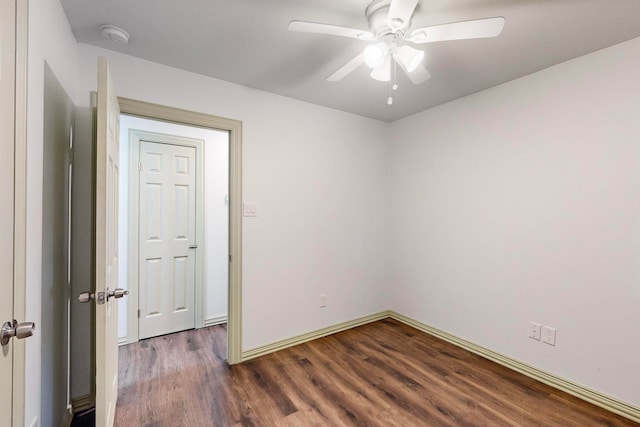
(310, 336)
(122, 341)
(609, 403)
(212, 321)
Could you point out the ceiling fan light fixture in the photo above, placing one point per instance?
(374, 55)
(410, 57)
(383, 72)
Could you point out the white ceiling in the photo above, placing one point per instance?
(247, 42)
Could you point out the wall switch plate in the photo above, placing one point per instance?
(534, 330)
(323, 300)
(549, 335)
(250, 209)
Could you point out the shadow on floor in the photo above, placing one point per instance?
(84, 419)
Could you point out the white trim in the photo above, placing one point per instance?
(135, 137)
(234, 127)
(212, 321)
(313, 335)
(122, 341)
(132, 241)
(599, 399)
(20, 208)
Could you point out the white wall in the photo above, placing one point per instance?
(522, 203)
(318, 177)
(216, 223)
(50, 40)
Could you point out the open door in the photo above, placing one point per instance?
(106, 249)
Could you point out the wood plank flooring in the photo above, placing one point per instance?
(381, 374)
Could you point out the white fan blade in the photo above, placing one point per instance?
(346, 69)
(332, 30)
(477, 29)
(417, 76)
(400, 12)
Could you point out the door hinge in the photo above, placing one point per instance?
(230, 258)
(139, 166)
(138, 313)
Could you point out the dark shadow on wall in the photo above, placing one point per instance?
(82, 229)
(59, 117)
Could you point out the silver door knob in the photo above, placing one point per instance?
(15, 329)
(85, 297)
(90, 296)
(117, 293)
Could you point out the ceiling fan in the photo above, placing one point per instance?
(389, 30)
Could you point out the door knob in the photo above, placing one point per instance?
(117, 293)
(15, 329)
(85, 297)
(102, 296)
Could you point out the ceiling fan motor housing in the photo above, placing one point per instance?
(377, 13)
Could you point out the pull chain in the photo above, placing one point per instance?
(393, 86)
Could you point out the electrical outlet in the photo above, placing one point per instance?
(250, 209)
(534, 330)
(323, 300)
(549, 335)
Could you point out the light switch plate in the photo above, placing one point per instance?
(250, 209)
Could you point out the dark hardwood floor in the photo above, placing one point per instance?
(381, 374)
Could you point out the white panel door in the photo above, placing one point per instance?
(7, 106)
(106, 250)
(167, 238)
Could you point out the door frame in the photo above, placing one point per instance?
(234, 127)
(135, 138)
(20, 211)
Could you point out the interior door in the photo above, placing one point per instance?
(167, 238)
(7, 107)
(106, 249)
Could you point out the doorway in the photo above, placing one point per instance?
(174, 229)
(234, 251)
(54, 328)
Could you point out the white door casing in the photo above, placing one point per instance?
(7, 138)
(106, 249)
(167, 238)
(13, 177)
(234, 127)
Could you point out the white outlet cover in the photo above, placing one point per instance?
(549, 335)
(250, 209)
